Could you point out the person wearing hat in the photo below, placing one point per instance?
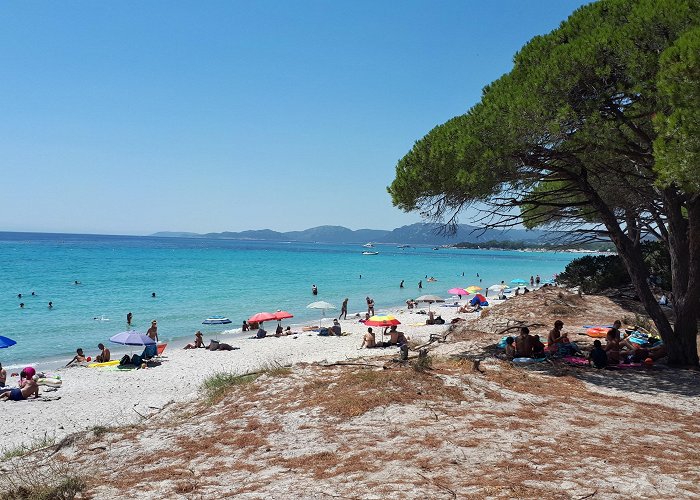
(153, 330)
(198, 341)
(336, 328)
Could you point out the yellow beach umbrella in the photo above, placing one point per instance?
(473, 289)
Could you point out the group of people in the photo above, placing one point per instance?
(615, 351)
(28, 385)
(396, 338)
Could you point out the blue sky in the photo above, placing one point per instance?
(132, 117)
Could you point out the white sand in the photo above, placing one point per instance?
(90, 396)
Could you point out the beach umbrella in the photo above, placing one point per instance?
(458, 291)
(430, 299)
(323, 306)
(132, 337)
(261, 317)
(382, 321)
(474, 288)
(280, 315)
(518, 281)
(498, 288)
(6, 342)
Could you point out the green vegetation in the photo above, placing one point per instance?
(523, 245)
(64, 488)
(216, 385)
(22, 450)
(595, 132)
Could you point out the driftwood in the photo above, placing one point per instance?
(347, 363)
(531, 325)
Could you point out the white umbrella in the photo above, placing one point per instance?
(323, 305)
(430, 299)
(498, 288)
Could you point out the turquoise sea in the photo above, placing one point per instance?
(197, 278)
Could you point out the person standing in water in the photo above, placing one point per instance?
(314, 290)
(420, 284)
(344, 309)
(401, 284)
(128, 318)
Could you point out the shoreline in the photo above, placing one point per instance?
(91, 397)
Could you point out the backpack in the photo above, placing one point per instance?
(126, 360)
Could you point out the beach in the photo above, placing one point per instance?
(90, 397)
(323, 418)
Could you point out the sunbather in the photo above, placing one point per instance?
(612, 346)
(104, 355)
(554, 339)
(598, 357)
(78, 358)
(396, 337)
(523, 344)
(537, 347)
(368, 340)
(510, 348)
(198, 341)
(3, 375)
(30, 388)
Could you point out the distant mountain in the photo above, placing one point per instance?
(418, 234)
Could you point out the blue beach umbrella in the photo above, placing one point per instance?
(132, 337)
(518, 281)
(6, 342)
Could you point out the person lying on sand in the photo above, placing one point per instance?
(368, 340)
(31, 388)
(638, 354)
(78, 358)
(198, 341)
(466, 308)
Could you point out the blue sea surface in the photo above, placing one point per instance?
(197, 278)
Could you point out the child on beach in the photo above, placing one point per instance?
(598, 357)
(78, 358)
(510, 348)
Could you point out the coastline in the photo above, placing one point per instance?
(91, 397)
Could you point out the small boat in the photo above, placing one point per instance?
(101, 318)
(370, 253)
(368, 245)
(436, 248)
(404, 246)
(216, 320)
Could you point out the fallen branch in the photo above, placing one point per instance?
(345, 363)
(588, 496)
(435, 483)
(532, 325)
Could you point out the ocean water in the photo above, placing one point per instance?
(197, 278)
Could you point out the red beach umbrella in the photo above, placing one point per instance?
(260, 317)
(382, 321)
(280, 315)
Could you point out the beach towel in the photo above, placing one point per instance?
(528, 361)
(575, 361)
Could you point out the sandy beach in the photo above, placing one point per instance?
(91, 397)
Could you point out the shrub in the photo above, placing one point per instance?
(594, 273)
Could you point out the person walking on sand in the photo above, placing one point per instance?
(344, 309)
(128, 318)
(370, 306)
(153, 330)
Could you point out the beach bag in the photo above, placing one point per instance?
(126, 360)
(136, 360)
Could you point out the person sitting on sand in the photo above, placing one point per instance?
(288, 331)
(510, 348)
(3, 376)
(396, 337)
(537, 347)
(410, 303)
(244, 327)
(104, 355)
(555, 339)
(616, 329)
(431, 318)
(523, 344)
(598, 357)
(368, 340)
(365, 318)
(78, 358)
(198, 341)
(261, 333)
(335, 329)
(30, 388)
(612, 346)
(278, 330)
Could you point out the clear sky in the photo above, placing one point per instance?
(131, 117)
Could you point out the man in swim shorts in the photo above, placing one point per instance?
(368, 340)
(396, 337)
(344, 309)
(31, 388)
(523, 344)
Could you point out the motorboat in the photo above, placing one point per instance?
(216, 320)
(370, 253)
(368, 245)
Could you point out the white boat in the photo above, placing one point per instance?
(404, 246)
(368, 245)
(370, 253)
